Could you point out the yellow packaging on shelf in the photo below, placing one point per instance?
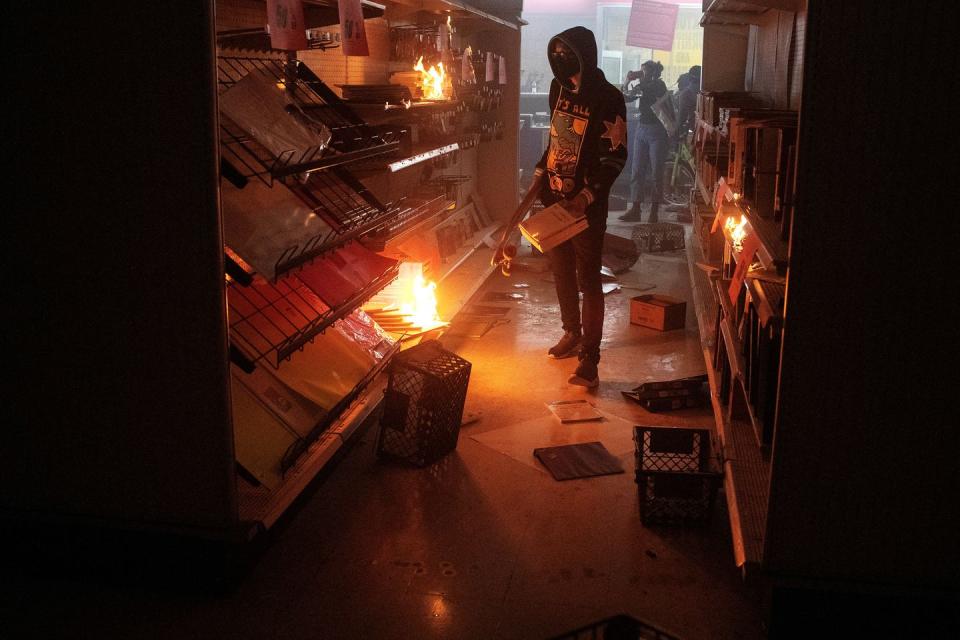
(327, 369)
(554, 225)
(297, 413)
(260, 438)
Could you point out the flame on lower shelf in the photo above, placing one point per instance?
(408, 307)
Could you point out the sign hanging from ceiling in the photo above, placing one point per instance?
(652, 25)
(353, 35)
(287, 28)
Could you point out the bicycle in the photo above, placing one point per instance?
(679, 174)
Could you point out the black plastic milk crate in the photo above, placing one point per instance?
(620, 627)
(653, 237)
(677, 478)
(423, 407)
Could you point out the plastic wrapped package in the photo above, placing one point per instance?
(261, 106)
(264, 224)
(365, 331)
(327, 369)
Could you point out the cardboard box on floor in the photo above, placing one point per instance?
(658, 311)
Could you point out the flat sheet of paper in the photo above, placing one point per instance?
(519, 440)
(574, 410)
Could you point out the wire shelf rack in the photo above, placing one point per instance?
(352, 139)
(269, 321)
(350, 211)
(337, 410)
(407, 213)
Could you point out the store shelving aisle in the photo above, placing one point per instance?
(480, 545)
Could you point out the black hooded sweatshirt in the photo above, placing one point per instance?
(588, 131)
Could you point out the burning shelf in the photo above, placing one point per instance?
(272, 320)
(279, 119)
(408, 307)
(737, 224)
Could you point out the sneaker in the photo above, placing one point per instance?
(632, 214)
(586, 374)
(567, 346)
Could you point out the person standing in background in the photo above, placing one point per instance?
(650, 142)
(687, 103)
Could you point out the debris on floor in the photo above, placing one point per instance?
(610, 287)
(638, 286)
(485, 310)
(517, 440)
(667, 395)
(470, 327)
(619, 253)
(502, 296)
(571, 461)
(574, 410)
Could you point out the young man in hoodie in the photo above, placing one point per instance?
(587, 151)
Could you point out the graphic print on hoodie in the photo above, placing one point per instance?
(588, 131)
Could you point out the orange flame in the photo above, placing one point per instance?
(433, 80)
(737, 230)
(421, 308)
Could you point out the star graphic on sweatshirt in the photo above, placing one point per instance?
(616, 133)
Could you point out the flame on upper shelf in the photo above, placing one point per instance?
(435, 84)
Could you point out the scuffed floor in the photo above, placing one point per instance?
(481, 545)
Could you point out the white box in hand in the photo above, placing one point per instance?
(551, 227)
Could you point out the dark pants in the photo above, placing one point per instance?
(649, 153)
(576, 268)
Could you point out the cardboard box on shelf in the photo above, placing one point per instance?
(658, 311)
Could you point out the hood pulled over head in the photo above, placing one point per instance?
(581, 41)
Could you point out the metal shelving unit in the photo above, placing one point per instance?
(351, 138)
(270, 321)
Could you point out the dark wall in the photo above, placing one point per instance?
(115, 285)
(865, 472)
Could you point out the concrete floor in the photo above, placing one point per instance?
(482, 545)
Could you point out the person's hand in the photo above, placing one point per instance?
(577, 205)
(497, 257)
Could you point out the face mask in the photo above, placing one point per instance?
(566, 67)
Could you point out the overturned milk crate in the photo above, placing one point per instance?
(654, 237)
(423, 406)
(677, 478)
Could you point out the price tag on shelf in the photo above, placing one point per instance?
(724, 193)
(288, 30)
(353, 35)
(750, 245)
